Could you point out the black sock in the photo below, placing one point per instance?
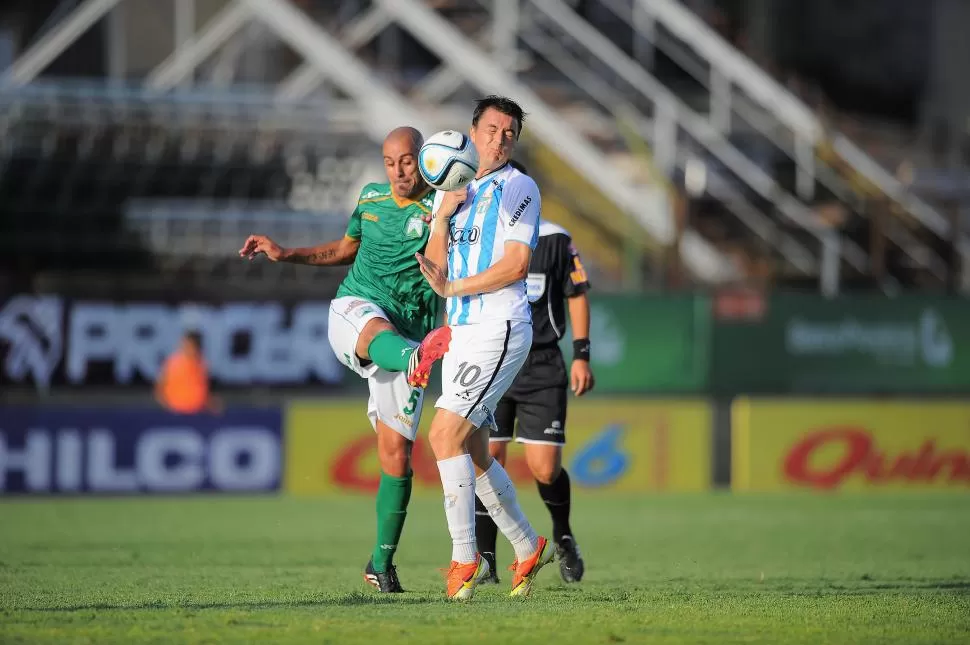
(485, 530)
(556, 496)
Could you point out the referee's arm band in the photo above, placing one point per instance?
(581, 349)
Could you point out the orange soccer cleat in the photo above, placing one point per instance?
(525, 571)
(462, 579)
(431, 349)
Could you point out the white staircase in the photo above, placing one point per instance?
(522, 48)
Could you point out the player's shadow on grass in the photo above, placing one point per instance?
(352, 599)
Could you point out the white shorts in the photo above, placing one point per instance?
(482, 361)
(392, 400)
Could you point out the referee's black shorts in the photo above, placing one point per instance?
(537, 399)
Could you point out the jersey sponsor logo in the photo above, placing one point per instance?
(370, 217)
(520, 209)
(414, 228)
(371, 194)
(469, 235)
(535, 286)
(363, 312)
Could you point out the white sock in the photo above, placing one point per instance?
(497, 493)
(458, 483)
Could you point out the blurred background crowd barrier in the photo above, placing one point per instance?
(772, 206)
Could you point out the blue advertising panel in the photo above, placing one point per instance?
(68, 450)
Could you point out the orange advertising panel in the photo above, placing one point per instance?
(849, 445)
(612, 445)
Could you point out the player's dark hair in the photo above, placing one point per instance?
(195, 338)
(503, 104)
(515, 164)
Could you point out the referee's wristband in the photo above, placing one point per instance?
(581, 349)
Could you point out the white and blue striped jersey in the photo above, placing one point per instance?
(503, 206)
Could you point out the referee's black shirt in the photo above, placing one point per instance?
(555, 273)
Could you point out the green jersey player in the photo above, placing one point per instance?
(382, 307)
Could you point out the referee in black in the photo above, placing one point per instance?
(538, 395)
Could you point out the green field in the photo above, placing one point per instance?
(669, 569)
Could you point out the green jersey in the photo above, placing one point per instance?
(391, 230)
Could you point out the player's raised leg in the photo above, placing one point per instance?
(394, 410)
(377, 344)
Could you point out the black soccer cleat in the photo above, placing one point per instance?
(571, 564)
(492, 577)
(383, 581)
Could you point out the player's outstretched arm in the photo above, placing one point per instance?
(338, 252)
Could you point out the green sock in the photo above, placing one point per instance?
(390, 351)
(393, 495)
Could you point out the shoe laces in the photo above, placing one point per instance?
(447, 571)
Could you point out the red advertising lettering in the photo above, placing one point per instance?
(348, 470)
(861, 456)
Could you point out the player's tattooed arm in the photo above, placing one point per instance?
(339, 252)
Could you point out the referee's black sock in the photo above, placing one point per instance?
(485, 529)
(557, 498)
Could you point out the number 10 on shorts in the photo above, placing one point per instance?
(467, 374)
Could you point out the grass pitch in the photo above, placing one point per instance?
(666, 569)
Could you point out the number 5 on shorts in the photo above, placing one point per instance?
(412, 402)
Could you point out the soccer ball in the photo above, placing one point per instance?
(448, 160)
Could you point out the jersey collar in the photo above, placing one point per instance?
(407, 201)
(489, 174)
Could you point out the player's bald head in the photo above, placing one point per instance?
(401, 147)
(404, 138)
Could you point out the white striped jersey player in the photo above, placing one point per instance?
(491, 332)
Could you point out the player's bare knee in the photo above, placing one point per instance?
(546, 473)
(545, 462)
(395, 462)
(448, 434)
(393, 451)
(373, 327)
